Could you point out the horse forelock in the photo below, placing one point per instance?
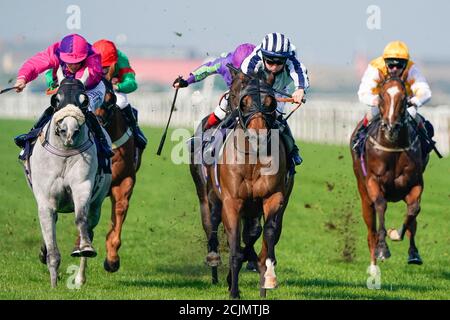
(70, 111)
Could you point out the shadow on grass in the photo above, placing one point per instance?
(167, 283)
(176, 276)
(342, 289)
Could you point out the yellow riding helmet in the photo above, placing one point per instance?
(396, 49)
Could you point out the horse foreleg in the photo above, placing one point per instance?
(370, 219)
(231, 221)
(81, 195)
(380, 204)
(120, 196)
(273, 207)
(80, 278)
(213, 258)
(47, 219)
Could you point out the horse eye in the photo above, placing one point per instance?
(76, 131)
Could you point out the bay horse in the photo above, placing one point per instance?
(125, 164)
(211, 210)
(248, 190)
(390, 169)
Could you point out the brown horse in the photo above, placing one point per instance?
(211, 210)
(250, 182)
(125, 163)
(389, 170)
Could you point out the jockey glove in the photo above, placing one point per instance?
(181, 82)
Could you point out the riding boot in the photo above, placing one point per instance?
(211, 122)
(141, 140)
(289, 141)
(43, 119)
(94, 125)
(359, 136)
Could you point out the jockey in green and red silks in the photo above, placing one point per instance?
(117, 69)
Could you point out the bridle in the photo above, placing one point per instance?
(258, 90)
(401, 121)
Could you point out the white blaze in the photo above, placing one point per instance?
(392, 92)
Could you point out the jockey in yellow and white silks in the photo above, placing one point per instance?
(394, 62)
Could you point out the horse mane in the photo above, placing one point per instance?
(70, 111)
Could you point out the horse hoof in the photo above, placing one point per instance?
(414, 258)
(262, 292)
(394, 235)
(383, 253)
(270, 283)
(111, 266)
(235, 296)
(252, 266)
(88, 252)
(76, 252)
(213, 259)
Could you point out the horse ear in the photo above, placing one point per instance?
(54, 101)
(233, 70)
(83, 100)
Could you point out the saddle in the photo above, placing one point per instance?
(426, 144)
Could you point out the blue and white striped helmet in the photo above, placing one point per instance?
(276, 45)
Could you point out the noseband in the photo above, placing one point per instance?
(258, 90)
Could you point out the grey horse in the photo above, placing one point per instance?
(65, 177)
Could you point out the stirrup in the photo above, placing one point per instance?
(20, 140)
(297, 159)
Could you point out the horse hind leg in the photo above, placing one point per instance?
(251, 233)
(80, 278)
(213, 258)
(413, 202)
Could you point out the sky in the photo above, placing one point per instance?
(328, 32)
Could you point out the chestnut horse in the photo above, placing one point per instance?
(390, 169)
(248, 190)
(125, 163)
